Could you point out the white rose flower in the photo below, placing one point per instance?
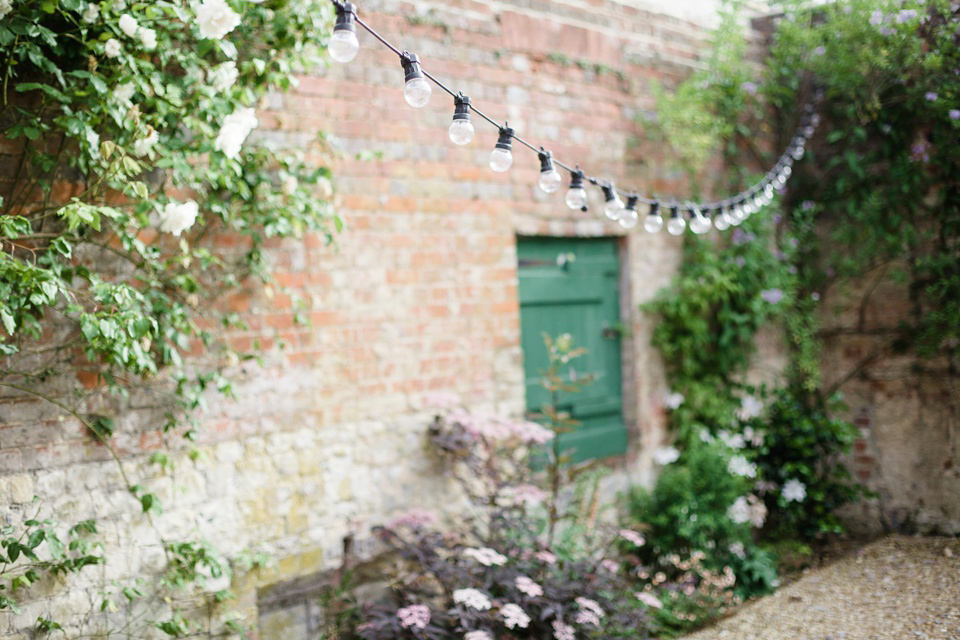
(148, 38)
(176, 218)
(6, 6)
(674, 400)
(216, 19)
(123, 93)
(794, 491)
(750, 407)
(739, 511)
(91, 14)
(236, 127)
(128, 24)
(223, 76)
(740, 466)
(111, 48)
(289, 185)
(143, 145)
(666, 455)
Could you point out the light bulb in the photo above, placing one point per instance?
(614, 205)
(759, 203)
(737, 215)
(748, 209)
(780, 181)
(722, 222)
(417, 92)
(768, 192)
(501, 158)
(550, 179)
(461, 132)
(677, 224)
(808, 131)
(461, 129)
(576, 197)
(628, 215)
(343, 45)
(699, 223)
(786, 172)
(653, 223)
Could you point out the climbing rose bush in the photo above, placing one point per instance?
(143, 194)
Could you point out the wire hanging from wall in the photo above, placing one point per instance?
(703, 216)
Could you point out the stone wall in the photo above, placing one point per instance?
(419, 297)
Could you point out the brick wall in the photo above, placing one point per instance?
(420, 296)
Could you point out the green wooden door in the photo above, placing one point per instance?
(571, 285)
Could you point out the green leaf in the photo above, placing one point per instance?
(8, 322)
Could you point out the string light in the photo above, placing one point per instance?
(343, 47)
(654, 221)
(501, 158)
(550, 179)
(416, 89)
(699, 223)
(614, 205)
(677, 224)
(461, 129)
(343, 44)
(722, 220)
(628, 215)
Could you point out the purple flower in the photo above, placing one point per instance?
(780, 255)
(777, 218)
(772, 296)
(906, 15)
(815, 296)
(740, 261)
(819, 51)
(931, 96)
(749, 87)
(954, 114)
(887, 31)
(807, 205)
(876, 18)
(792, 270)
(919, 152)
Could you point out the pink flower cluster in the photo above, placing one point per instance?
(527, 586)
(563, 631)
(496, 428)
(416, 616)
(415, 518)
(632, 536)
(649, 599)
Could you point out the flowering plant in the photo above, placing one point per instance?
(532, 561)
(139, 196)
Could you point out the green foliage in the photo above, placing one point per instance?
(803, 443)
(35, 552)
(133, 131)
(687, 509)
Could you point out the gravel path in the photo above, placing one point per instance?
(897, 588)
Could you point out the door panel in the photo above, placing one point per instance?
(570, 285)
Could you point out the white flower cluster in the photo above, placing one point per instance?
(740, 466)
(748, 509)
(473, 598)
(750, 408)
(236, 127)
(216, 19)
(6, 6)
(223, 76)
(176, 218)
(794, 491)
(477, 635)
(131, 28)
(528, 587)
(514, 616)
(486, 556)
(666, 455)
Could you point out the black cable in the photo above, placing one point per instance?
(743, 196)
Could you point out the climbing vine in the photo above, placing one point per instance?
(139, 187)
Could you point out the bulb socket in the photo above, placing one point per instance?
(609, 192)
(411, 66)
(546, 161)
(461, 107)
(632, 202)
(346, 13)
(675, 211)
(654, 208)
(576, 179)
(505, 139)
